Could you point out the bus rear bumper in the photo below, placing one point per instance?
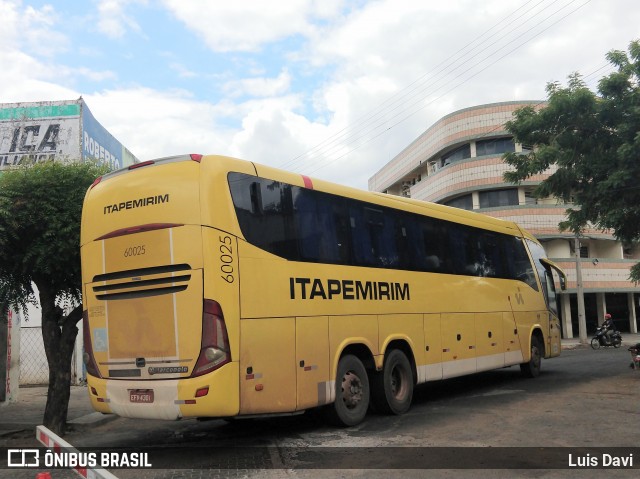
(212, 395)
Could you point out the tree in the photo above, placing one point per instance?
(40, 210)
(594, 141)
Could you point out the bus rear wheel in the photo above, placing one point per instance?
(352, 392)
(531, 369)
(392, 388)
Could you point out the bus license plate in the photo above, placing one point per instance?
(144, 396)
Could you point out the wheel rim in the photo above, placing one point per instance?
(535, 357)
(352, 390)
(399, 385)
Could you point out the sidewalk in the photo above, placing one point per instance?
(27, 412)
(628, 339)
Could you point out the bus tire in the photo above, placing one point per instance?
(531, 369)
(392, 388)
(352, 392)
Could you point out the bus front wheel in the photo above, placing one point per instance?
(352, 392)
(392, 388)
(531, 369)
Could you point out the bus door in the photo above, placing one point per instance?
(552, 301)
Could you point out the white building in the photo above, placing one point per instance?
(458, 162)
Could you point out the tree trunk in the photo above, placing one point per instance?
(59, 334)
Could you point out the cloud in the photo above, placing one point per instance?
(259, 87)
(30, 29)
(359, 82)
(247, 25)
(113, 20)
(181, 70)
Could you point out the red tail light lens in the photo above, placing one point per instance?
(96, 181)
(214, 346)
(138, 229)
(87, 357)
(196, 157)
(140, 165)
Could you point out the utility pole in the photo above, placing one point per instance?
(582, 323)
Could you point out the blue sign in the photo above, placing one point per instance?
(98, 144)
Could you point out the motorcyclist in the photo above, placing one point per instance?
(608, 327)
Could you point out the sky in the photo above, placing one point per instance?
(333, 89)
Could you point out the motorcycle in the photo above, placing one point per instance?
(600, 339)
(635, 356)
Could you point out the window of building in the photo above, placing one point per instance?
(463, 202)
(495, 146)
(496, 198)
(461, 153)
(530, 198)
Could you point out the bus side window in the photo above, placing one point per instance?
(381, 228)
(520, 265)
(320, 228)
(341, 221)
(255, 195)
(434, 244)
(360, 238)
(461, 251)
(411, 255)
(490, 255)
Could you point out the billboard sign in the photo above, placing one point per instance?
(57, 130)
(98, 144)
(39, 132)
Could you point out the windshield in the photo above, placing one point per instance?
(545, 275)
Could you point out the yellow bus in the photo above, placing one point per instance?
(216, 287)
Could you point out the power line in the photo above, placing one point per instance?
(380, 109)
(419, 108)
(364, 132)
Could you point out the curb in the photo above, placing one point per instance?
(587, 345)
(93, 419)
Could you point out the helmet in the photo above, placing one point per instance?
(607, 316)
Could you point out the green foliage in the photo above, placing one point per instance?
(593, 141)
(40, 210)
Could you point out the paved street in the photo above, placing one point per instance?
(584, 399)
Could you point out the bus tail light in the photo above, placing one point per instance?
(96, 181)
(214, 347)
(138, 229)
(87, 357)
(140, 165)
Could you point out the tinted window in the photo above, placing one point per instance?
(463, 202)
(301, 224)
(495, 198)
(537, 252)
(519, 264)
(461, 153)
(322, 232)
(494, 147)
